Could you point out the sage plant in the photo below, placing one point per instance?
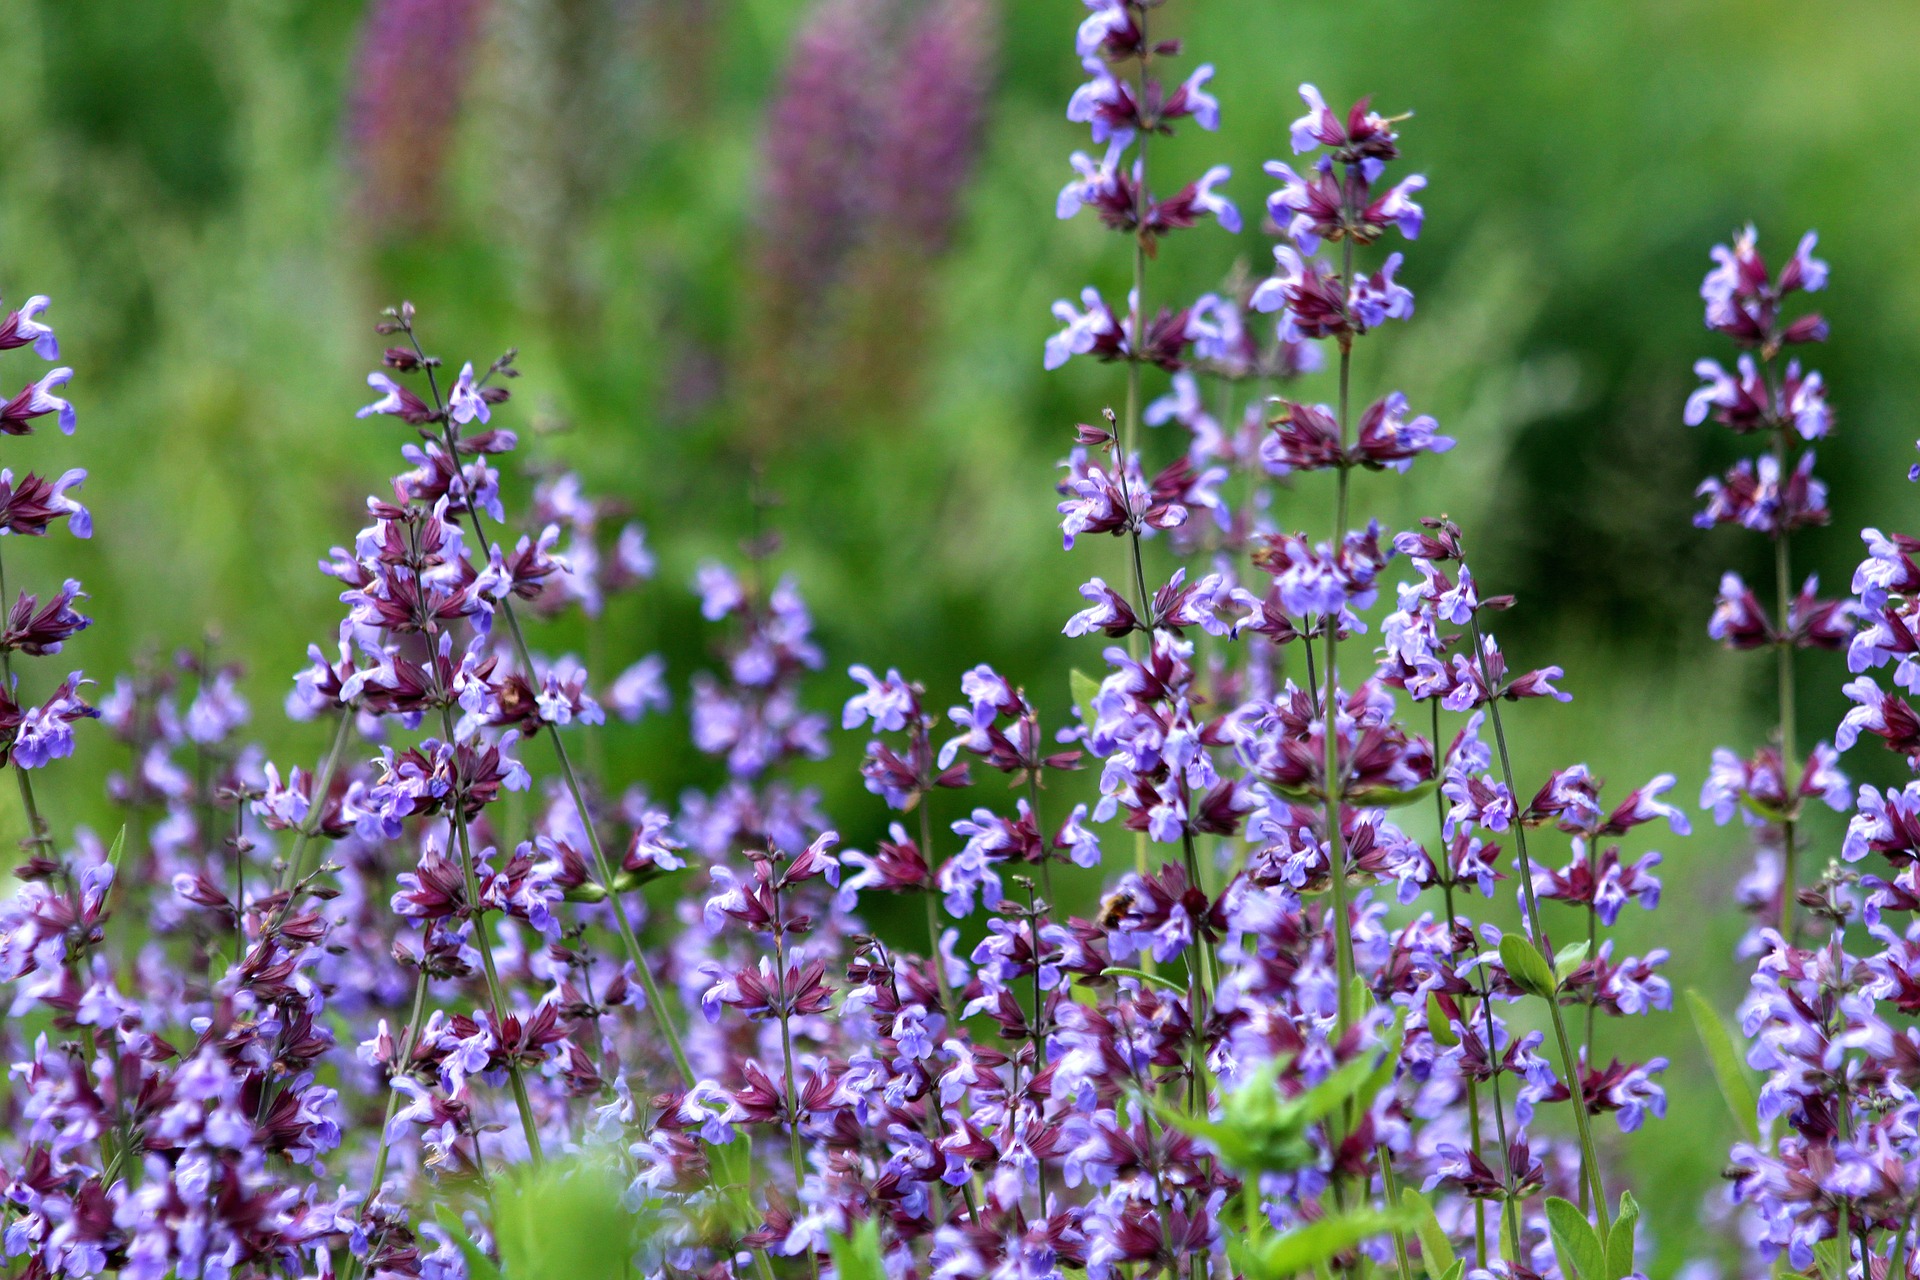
(1774, 494)
(380, 992)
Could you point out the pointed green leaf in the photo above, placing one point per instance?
(1119, 971)
(1436, 1251)
(1833, 1257)
(1439, 1025)
(1729, 1071)
(1313, 1246)
(1383, 1071)
(119, 847)
(1457, 1270)
(1511, 1228)
(1084, 688)
(1527, 967)
(1567, 959)
(479, 1265)
(1620, 1240)
(563, 1219)
(1391, 797)
(858, 1257)
(1575, 1242)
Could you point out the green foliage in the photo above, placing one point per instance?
(1576, 1243)
(1729, 1070)
(1620, 1240)
(175, 173)
(1527, 967)
(1141, 975)
(1435, 1249)
(1567, 959)
(858, 1257)
(1271, 1255)
(563, 1220)
(1085, 688)
(1261, 1130)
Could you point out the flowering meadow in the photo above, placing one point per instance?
(1245, 917)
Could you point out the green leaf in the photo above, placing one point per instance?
(1391, 797)
(858, 1257)
(1578, 1246)
(1439, 1025)
(1457, 1270)
(1261, 1130)
(1313, 1246)
(1382, 1074)
(1620, 1241)
(1729, 1071)
(1767, 812)
(1120, 971)
(563, 1220)
(1084, 688)
(479, 1265)
(1436, 1251)
(1567, 959)
(1527, 967)
(1833, 1257)
(119, 846)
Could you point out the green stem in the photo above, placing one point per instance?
(1783, 650)
(38, 832)
(316, 810)
(794, 1151)
(947, 1003)
(1040, 826)
(1330, 732)
(408, 1039)
(662, 1018)
(515, 1078)
(1576, 1095)
(1486, 1004)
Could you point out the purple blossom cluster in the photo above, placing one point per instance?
(1825, 1178)
(309, 1022)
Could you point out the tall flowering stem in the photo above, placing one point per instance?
(1774, 494)
(402, 321)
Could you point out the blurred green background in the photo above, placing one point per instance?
(184, 180)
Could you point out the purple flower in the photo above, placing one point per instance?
(464, 401)
(35, 400)
(23, 327)
(640, 688)
(887, 703)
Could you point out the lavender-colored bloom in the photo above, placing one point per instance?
(24, 327)
(640, 688)
(887, 703)
(37, 399)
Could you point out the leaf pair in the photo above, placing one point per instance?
(1577, 1243)
(1530, 970)
(1261, 1130)
(1275, 1256)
